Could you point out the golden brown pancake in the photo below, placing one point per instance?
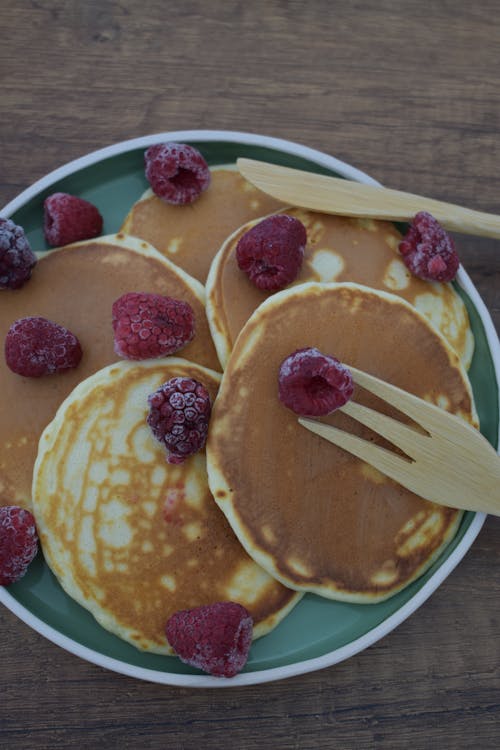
(338, 249)
(191, 235)
(76, 286)
(129, 536)
(314, 516)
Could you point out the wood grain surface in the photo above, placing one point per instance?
(407, 91)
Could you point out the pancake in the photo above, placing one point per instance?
(315, 517)
(191, 235)
(76, 287)
(338, 249)
(129, 536)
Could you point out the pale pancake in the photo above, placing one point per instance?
(338, 249)
(76, 287)
(191, 235)
(315, 517)
(129, 536)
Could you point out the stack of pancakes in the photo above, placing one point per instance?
(268, 511)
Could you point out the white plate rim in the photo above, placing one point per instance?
(384, 628)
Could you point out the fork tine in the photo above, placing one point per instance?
(422, 412)
(384, 460)
(401, 435)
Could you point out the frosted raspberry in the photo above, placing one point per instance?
(178, 416)
(147, 326)
(37, 346)
(314, 384)
(215, 637)
(272, 251)
(428, 251)
(18, 543)
(177, 173)
(17, 259)
(68, 218)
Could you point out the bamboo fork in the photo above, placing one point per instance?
(453, 464)
(348, 198)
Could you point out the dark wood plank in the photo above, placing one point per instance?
(409, 92)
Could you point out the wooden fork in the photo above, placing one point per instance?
(452, 464)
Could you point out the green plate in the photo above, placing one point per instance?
(318, 632)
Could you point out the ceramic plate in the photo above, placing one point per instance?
(318, 632)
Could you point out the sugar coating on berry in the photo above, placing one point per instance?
(37, 346)
(148, 325)
(313, 384)
(68, 218)
(272, 251)
(17, 259)
(215, 637)
(428, 251)
(18, 543)
(179, 413)
(177, 173)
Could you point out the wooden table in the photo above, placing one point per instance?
(408, 91)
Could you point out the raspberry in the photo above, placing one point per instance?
(428, 251)
(314, 384)
(215, 637)
(149, 325)
(272, 251)
(37, 346)
(178, 416)
(68, 218)
(18, 543)
(177, 173)
(17, 259)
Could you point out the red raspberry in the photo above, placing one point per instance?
(272, 251)
(37, 346)
(178, 416)
(428, 251)
(17, 259)
(314, 384)
(177, 173)
(147, 326)
(18, 543)
(215, 638)
(68, 218)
